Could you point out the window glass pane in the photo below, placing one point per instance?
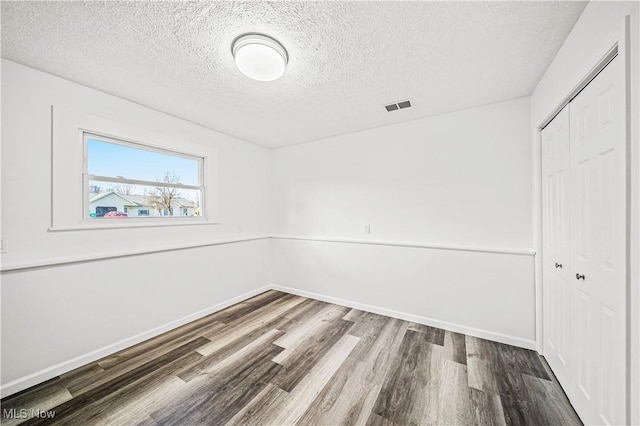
(113, 160)
(121, 201)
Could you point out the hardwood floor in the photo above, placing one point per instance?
(283, 359)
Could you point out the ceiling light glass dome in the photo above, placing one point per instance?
(259, 57)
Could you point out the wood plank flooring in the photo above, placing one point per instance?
(280, 359)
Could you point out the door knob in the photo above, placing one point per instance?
(558, 265)
(579, 277)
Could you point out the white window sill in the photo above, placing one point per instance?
(99, 224)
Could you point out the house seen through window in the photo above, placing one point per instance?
(129, 180)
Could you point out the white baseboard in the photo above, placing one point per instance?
(66, 366)
(484, 334)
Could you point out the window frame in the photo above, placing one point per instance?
(88, 178)
(67, 189)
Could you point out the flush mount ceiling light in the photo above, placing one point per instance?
(259, 57)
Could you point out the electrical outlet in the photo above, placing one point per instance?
(367, 229)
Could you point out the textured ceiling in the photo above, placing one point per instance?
(347, 59)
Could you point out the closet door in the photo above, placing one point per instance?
(598, 247)
(556, 245)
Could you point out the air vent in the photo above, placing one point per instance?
(398, 105)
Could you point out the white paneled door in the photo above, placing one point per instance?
(584, 230)
(598, 244)
(556, 239)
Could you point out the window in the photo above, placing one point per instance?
(185, 211)
(133, 177)
(126, 168)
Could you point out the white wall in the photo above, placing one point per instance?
(27, 96)
(51, 315)
(61, 317)
(461, 179)
(576, 57)
(487, 295)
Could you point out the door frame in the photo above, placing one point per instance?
(616, 44)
